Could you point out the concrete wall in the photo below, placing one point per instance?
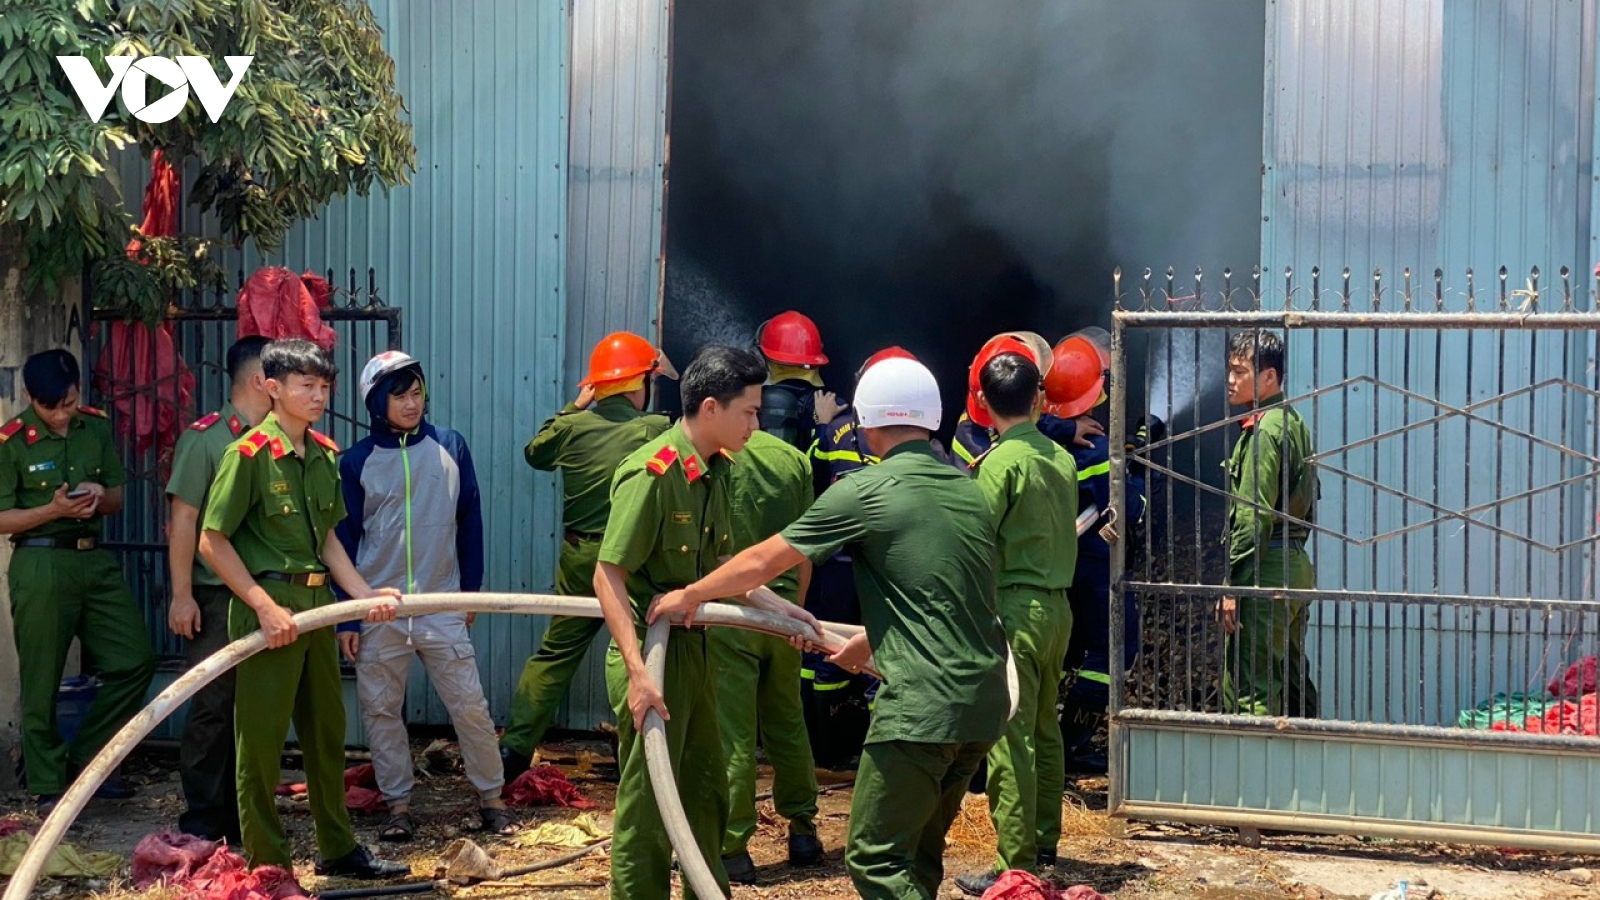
(28, 324)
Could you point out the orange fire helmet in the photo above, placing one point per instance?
(623, 355)
(1076, 383)
(996, 346)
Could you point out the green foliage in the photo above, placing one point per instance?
(315, 116)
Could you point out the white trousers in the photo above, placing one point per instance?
(383, 665)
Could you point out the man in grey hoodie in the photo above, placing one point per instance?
(416, 519)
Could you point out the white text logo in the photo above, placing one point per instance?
(133, 73)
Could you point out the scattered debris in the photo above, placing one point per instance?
(545, 786)
(1580, 877)
(580, 832)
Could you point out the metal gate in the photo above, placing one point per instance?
(154, 386)
(1455, 429)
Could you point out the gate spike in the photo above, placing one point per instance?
(1377, 290)
(1346, 300)
(1566, 289)
(1405, 291)
(1255, 285)
(1172, 282)
(1438, 290)
(1505, 302)
(1316, 287)
(1533, 289)
(1288, 288)
(1472, 292)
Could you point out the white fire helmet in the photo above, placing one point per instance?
(381, 365)
(898, 392)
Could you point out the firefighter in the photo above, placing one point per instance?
(758, 675)
(1272, 488)
(923, 540)
(267, 532)
(199, 610)
(584, 442)
(59, 477)
(975, 434)
(794, 405)
(838, 704)
(1032, 487)
(671, 520)
(1075, 387)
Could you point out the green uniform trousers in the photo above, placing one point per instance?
(300, 684)
(1027, 767)
(641, 854)
(758, 692)
(206, 759)
(1265, 671)
(543, 686)
(57, 595)
(906, 795)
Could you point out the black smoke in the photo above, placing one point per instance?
(930, 172)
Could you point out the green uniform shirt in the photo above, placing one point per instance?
(1270, 471)
(1031, 483)
(923, 541)
(194, 465)
(275, 507)
(771, 488)
(586, 445)
(670, 518)
(35, 461)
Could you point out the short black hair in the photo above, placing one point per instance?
(243, 352)
(49, 375)
(1010, 384)
(721, 373)
(399, 381)
(296, 357)
(1263, 349)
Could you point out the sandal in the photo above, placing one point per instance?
(496, 820)
(397, 828)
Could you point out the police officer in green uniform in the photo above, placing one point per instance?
(59, 474)
(923, 540)
(584, 442)
(199, 609)
(1273, 489)
(758, 675)
(670, 522)
(268, 533)
(1031, 483)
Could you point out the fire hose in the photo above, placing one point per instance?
(696, 871)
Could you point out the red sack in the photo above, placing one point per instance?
(276, 303)
(170, 858)
(227, 877)
(10, 826)
(545, 786)
(1019, 885)
(360, 794)
(1582, 677)
(361, 776)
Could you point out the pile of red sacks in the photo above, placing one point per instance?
(545, 786)
(1580, 715)
(360, 789)
(1017, 885)
(196, 869)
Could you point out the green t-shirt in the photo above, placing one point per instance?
(35, 461)
(923, 541)
(275, 507)
(585, 446)
(194, 465)
(1031, 483)
(670, 518)
(771, 488)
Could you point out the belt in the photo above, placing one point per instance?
(578, 537)
(303, 579)
(59, 543)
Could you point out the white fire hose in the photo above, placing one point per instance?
(696, 872)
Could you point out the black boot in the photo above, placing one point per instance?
(514, 763)
(1080, 722)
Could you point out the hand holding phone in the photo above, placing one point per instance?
(78, 494)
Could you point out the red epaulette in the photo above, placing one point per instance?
(235, 425)
(327, 443)
(662, 461)
(10, 428)
(93, 411)
(1250, 421)
(204, 422)
(249, 446)
(691, 469)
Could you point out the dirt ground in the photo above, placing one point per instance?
(1125, 860)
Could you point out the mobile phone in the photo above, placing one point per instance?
(78, 494)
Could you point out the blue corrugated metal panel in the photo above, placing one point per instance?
(1427, 784)
(618, 154)
(1451, 135)
(473, 252)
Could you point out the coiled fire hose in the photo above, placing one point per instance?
(695, 869)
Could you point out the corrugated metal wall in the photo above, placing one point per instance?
(473, 252)
(1422, 135)
(617, 152)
